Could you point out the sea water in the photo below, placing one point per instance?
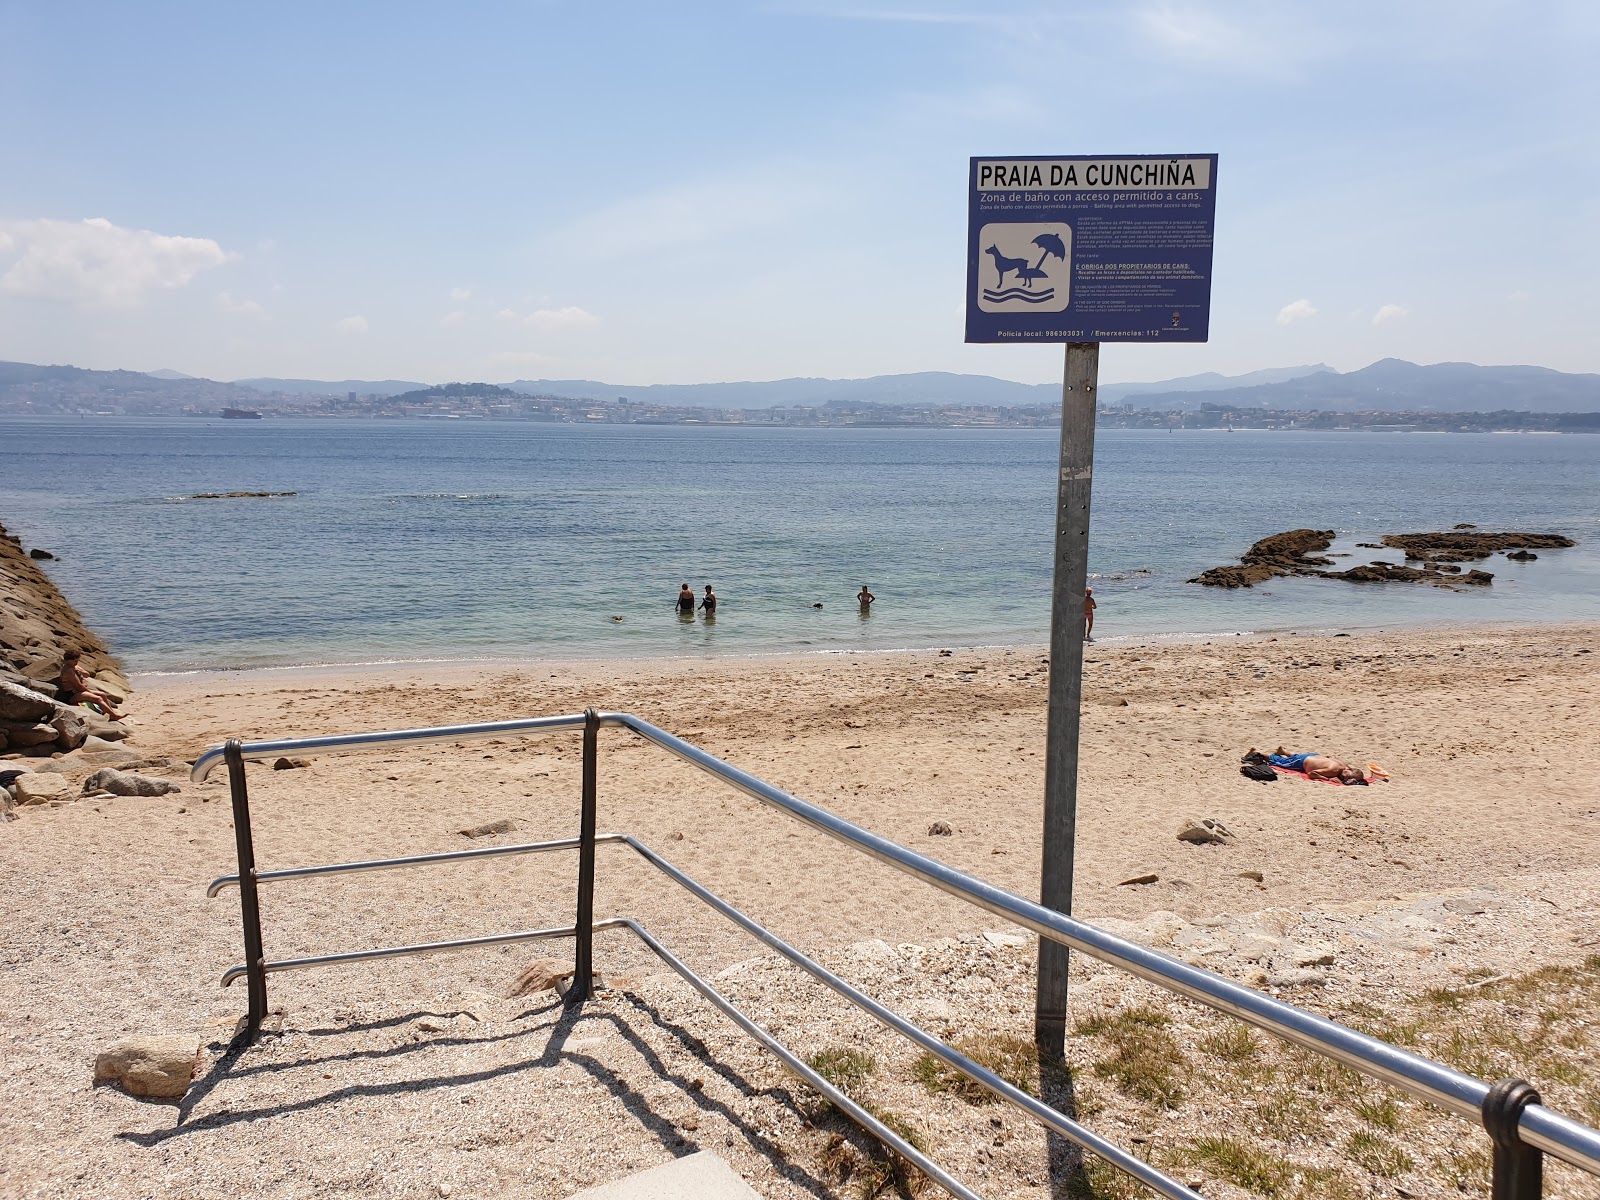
(463, 540)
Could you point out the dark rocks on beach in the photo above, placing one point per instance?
(37, 553)
(939, 829)
(290, 764)
(1521, 555)
(1295, 553)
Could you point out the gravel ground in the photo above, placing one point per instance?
(1388, 908)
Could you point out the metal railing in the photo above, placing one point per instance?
(1520, 1127)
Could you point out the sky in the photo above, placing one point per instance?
(652, 193)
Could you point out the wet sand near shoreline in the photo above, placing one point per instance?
(109, 933)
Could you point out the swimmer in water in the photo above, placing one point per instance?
(686, 601)
(709, 604)
(865, 598)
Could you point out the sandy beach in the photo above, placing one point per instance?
(419, 1077)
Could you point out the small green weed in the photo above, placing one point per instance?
(1250, 1167)
(1383, 1113)
(1232, 1043)
(1377, 1155)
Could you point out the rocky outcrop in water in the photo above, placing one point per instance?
(1296, 552)
(1281, 554)
(1457, 546)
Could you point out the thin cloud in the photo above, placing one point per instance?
(719, 207)
(1389, 312)
(1298, 310)
(351, 326)
(241, 308)
(452, 318)
(1258, 39)
(571, 317)
(459, 294)
(95, 264)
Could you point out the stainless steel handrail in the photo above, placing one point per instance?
(1450, 1089)
(414, 860)
(1013, 1095)
(330, 960)
(355, 743)
(799, 1066)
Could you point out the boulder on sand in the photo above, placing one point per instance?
(159, 1066)
(41, 787)
(108, 779)
(1203, 830)
(20, 703)
(24, 736)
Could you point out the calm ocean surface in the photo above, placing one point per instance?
(417, 541)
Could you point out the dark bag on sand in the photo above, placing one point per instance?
(1259, 771)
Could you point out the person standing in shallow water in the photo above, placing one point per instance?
(865, 598)
(709, 604)
(686, 601)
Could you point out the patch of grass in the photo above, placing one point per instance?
(1442, 997)
(1383, 1113)
(1232, 1043)
(1465, 1170)
(1323, 1076)
(1099, 1180)
(1559, 1070)
(886, 1171)
(1145, 1058)
(1590, 1104)
(1286, 1115)
(1242, 1164)
(880, 1171)
(1015, 1059)
(845, 1068)
(1377, 1155)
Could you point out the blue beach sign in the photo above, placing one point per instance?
(1114, 248)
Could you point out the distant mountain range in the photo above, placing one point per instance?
(1394, 385)
(332, 387)
(931, 388)
(1391, 385)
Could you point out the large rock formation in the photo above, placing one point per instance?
(37, 626)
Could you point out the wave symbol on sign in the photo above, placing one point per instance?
(1016, 293)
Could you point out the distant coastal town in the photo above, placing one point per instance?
(469, 402)
(1324, 400)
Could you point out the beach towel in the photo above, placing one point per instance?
(1303, 775)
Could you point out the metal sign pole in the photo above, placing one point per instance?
(1066, 683)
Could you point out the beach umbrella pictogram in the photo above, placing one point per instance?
(1049, 243)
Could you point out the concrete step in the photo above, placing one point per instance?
(699, 1176)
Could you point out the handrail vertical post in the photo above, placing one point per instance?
(583, 954)
(255, 957)
(1518, 1170)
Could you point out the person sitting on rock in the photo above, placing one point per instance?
(74, 688)
(1312, 764)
